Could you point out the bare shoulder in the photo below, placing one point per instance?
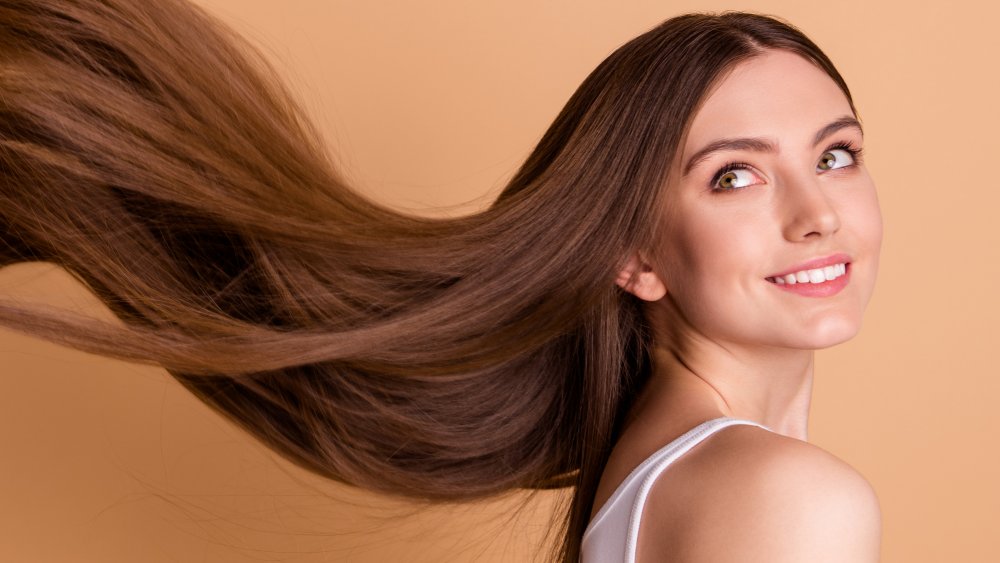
(749, 495)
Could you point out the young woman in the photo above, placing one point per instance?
(696, 221)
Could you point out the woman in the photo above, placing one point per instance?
(620, 296)
(761, 262)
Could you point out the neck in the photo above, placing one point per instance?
(772, 386)
(695, 378)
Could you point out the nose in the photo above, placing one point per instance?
(808, 210)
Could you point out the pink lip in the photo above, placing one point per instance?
(825, 289)
(816, 263)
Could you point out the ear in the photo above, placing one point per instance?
(638, 278)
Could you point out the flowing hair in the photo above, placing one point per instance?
(154, 154)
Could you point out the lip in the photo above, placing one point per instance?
(825, 289)
(815, 263)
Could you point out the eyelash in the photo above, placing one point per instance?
(855, 152)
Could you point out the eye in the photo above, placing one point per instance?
(733, 176)
(839, 156)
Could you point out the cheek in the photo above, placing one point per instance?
(875, 222)
(861, 208)
(720, 249)
(683, 255)
(866, 219)
(711, 262)
(861, 219)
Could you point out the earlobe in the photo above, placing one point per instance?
(638, 278)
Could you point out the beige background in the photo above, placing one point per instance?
(434, 104)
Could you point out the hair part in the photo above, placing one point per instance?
(439, 359)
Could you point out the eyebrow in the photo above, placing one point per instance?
(763, 145)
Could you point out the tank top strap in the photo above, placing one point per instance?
(612, 534)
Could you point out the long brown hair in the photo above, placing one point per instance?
(154, 154)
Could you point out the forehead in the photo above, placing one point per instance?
(778, 95)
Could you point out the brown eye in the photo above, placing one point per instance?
(836, 158)
(734, 177)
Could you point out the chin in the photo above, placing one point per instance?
(827, 332)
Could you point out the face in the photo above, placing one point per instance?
(796, 200)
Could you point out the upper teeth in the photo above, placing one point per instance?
(819, 275)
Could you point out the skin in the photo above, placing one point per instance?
(731, 343)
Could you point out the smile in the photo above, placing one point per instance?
(818, 282)
(818, 275)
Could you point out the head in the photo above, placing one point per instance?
(741, 219)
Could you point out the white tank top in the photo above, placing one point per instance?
(612, 533)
